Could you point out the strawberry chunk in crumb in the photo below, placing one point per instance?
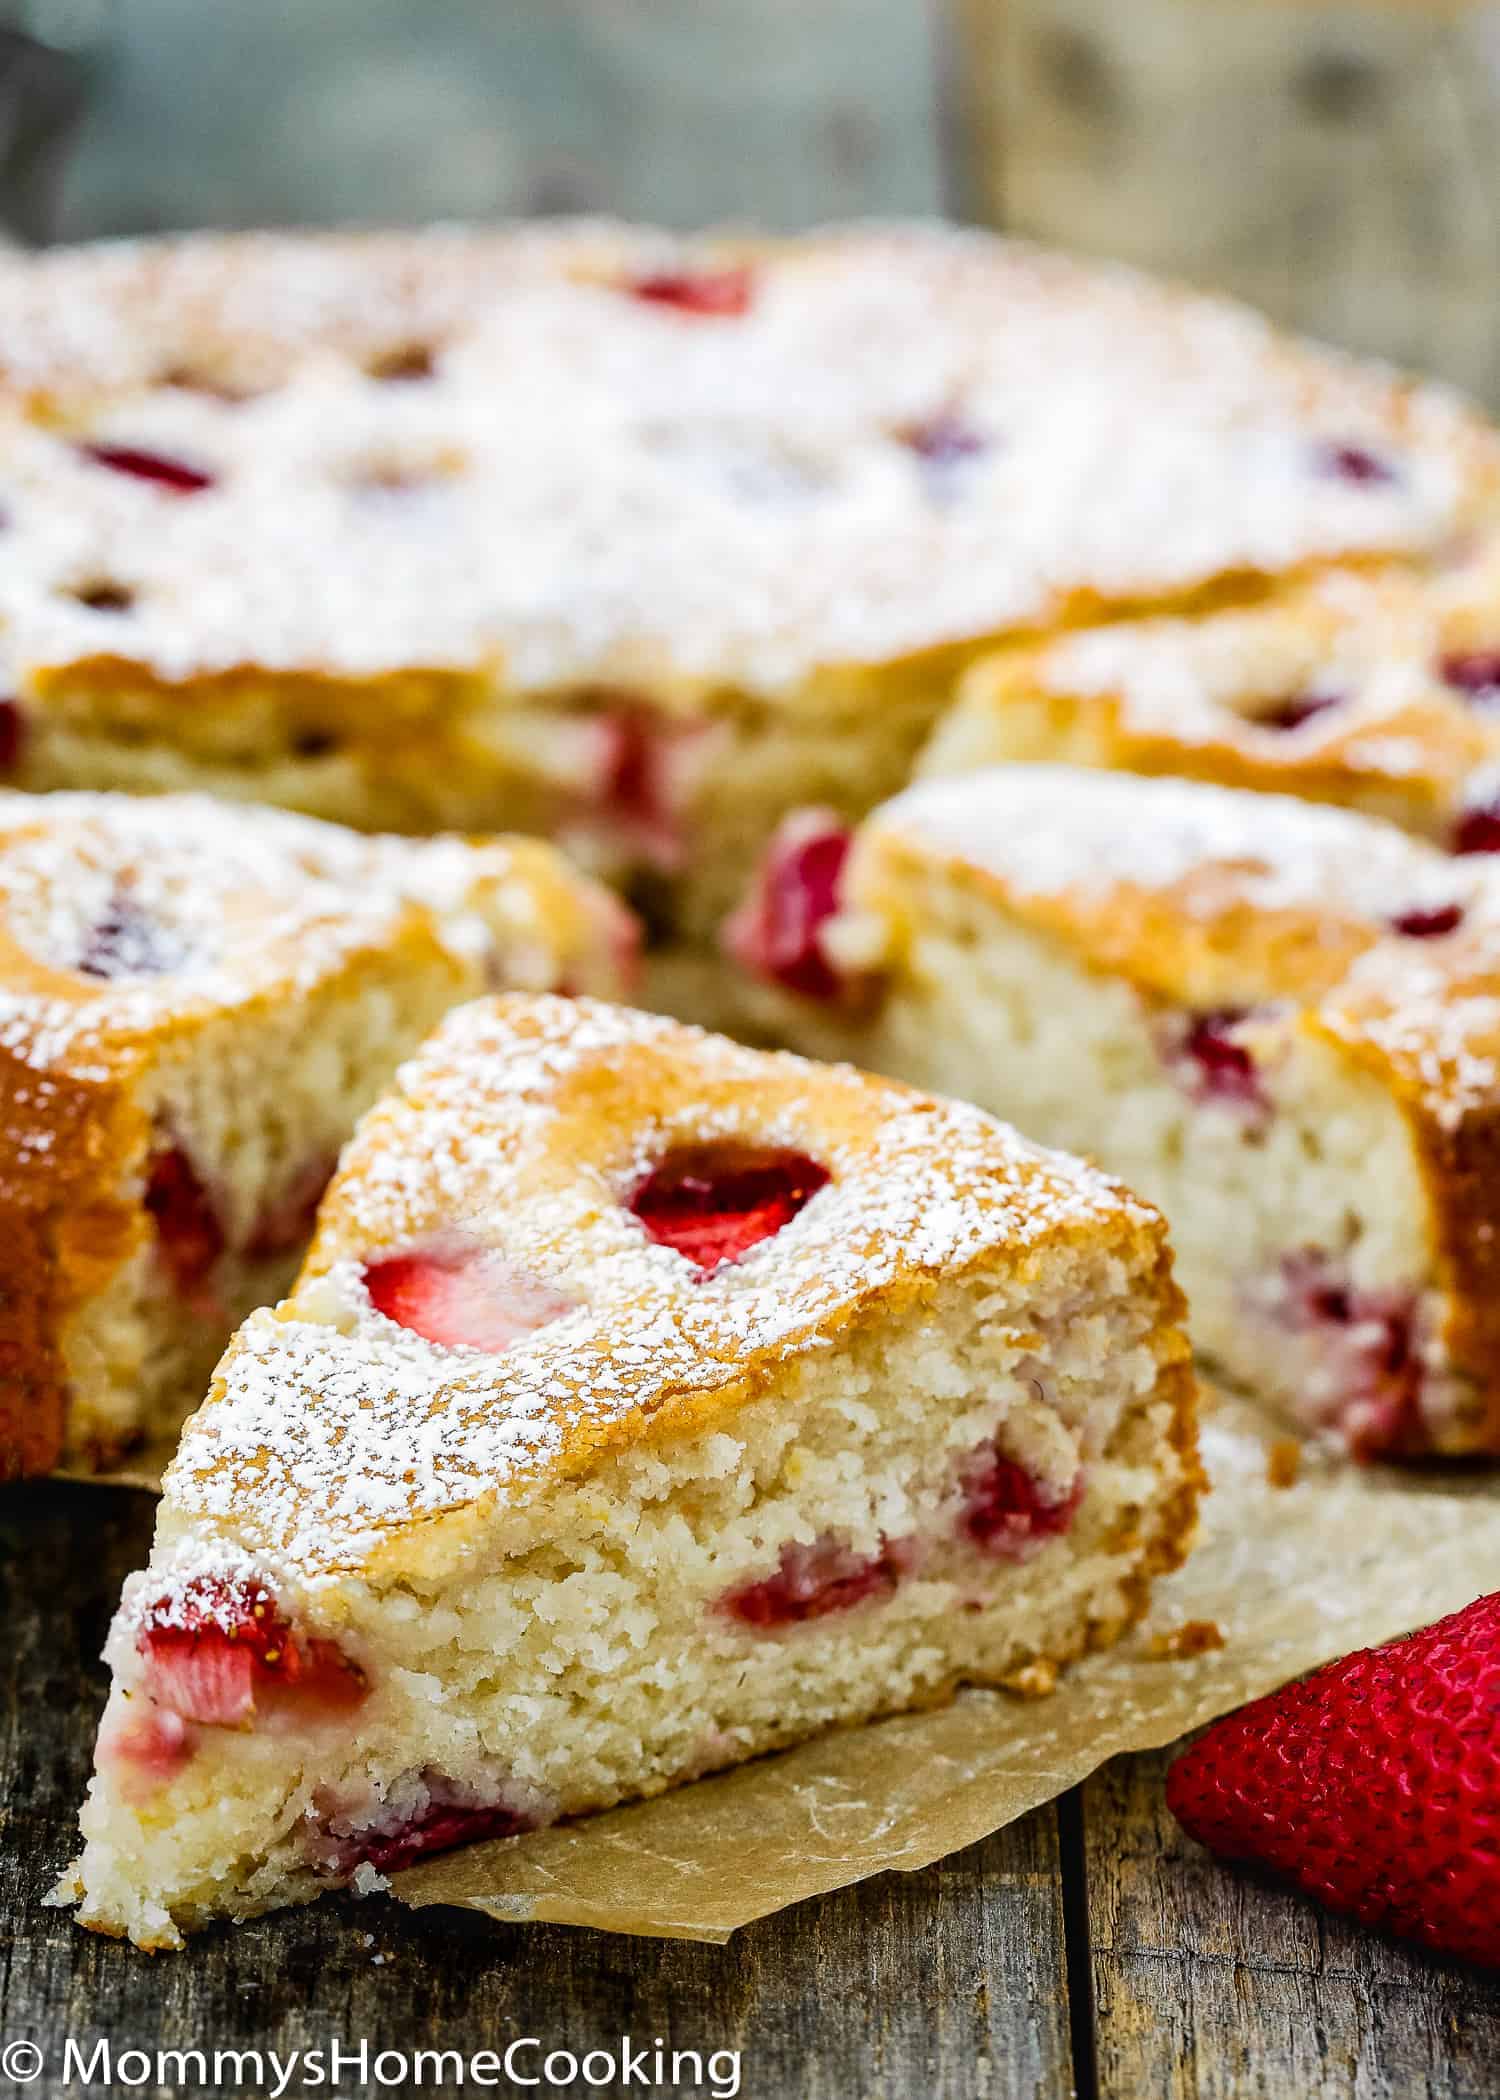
(462, 1296)
(713, 1203)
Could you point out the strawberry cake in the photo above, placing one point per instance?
(1377, 691)
(196, 1004)
(1279, 1021)
(645, 1403)
(632, 540)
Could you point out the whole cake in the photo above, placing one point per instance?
(1279, 1021)
(196, 1004)
(645, 1403)
(636, 541)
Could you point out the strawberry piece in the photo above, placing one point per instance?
(189, 1236)
(1427, 922)
(212, 1646)
(776, 933)
(1475, 673)
(812, 1581)
(462, 1297)
(443, 1825)
(177, 475)
(1007, 1512)
(1214, 1064)
(156, 1744)
(1372, 1370)
(710, 294)
(12, 735)
(1373, 1785)
(1478, 829)
(1356, 463)
(1295, 709)
(125, 942)
(714, 1203)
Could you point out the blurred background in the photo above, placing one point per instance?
(1337, 161)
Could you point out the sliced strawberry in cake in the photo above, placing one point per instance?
(200, 1002)
(1277, 1020)
(646, 1403)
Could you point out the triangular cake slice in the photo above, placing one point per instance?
(645, 1403)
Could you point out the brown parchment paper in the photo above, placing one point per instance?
(1291, 1576)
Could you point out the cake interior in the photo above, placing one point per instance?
(1289, 1176)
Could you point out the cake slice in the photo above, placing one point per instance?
(645, 1403)
(1380, 692)
(1279, 1021)
(196, 1004)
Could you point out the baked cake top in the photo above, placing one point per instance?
(644, 1225)
(1392, 678)
(125, 920)
(1220, 899)
(601, 453)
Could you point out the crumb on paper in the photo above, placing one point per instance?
(1193, 1637)
(367, 1880)
(1034, 1680)
(1284, 1462)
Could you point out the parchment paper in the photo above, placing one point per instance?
(1291, 1576)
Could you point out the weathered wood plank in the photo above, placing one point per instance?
(950, 1983)
(1212, 1984)
(677, 110)
(1336, 161)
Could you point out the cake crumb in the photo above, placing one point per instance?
(1284, 1462)
(1034, 1680)
(1193, 1637)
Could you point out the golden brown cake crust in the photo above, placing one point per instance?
(1348, 689)
(527, 1125)
(239, 911)
(1211, 899)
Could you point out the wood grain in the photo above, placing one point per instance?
(949, 1983)
(1211, 1984)
(1335, 161)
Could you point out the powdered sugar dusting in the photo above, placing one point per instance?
(527, 1124)
(582, 484)
(124, 914)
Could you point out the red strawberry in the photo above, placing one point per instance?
(1373, 1785)
(189, 1236)
(714, 1204)
(215, 1647)
(462, 1296)
(777, 932)
(1007, 1512)
(811, 1581)
(720, 294)
(178, 475)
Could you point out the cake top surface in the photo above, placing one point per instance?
(1219, 899)
(1391, 678)
(122, 919)
(595, 452)
(519, 1161)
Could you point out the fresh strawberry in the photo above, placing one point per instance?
(462, 1296)
(714, 1204)
(1373, 1785)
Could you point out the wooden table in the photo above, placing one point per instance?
(1088, 1949)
